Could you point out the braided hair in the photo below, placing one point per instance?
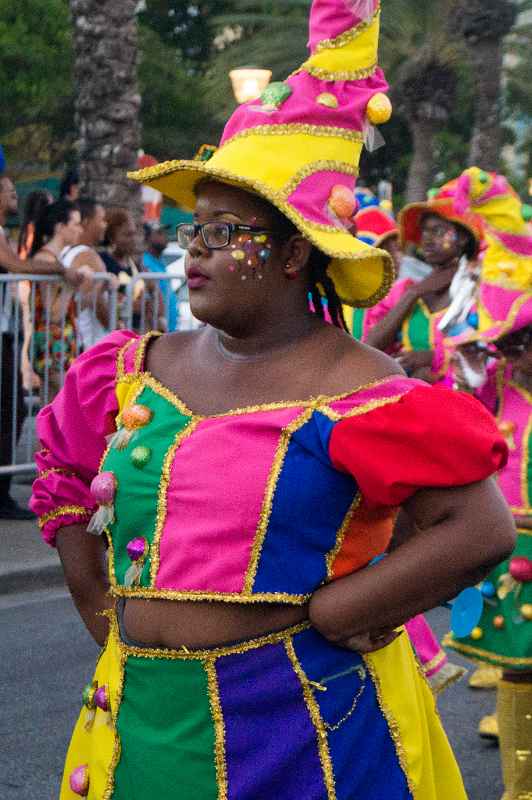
(322, 295)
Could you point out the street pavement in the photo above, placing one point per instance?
(47, 657)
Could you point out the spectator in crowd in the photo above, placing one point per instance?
(69, 188)
(35, 204)
(156, 239)
(93, 317)
(123, 245)
(55, 348)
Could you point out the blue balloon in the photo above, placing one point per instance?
(466, 612)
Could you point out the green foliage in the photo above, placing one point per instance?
(35, 76)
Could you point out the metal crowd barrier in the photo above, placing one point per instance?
(45, 324)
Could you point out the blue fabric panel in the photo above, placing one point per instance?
(309, 505)
(362, 751)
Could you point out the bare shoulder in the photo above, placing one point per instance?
(89, 258)
(171, 346)
(354, 364)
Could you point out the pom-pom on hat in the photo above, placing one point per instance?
(299, 145)
(374, 226)
(442, 204)
(505, 289)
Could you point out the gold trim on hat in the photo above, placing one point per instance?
(310, 169)
(347, 36)
(327, 75)
(295, 129)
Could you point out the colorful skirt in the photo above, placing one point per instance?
(287, 716)
(503, 636)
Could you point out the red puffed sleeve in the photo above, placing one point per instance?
(72, 431)
(430, 437)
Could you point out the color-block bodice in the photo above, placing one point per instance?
(259, 504)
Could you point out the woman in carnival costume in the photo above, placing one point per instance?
(504, 635)
(412, 321)
(378, 228)
(249, 653)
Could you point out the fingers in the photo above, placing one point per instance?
(369, 643)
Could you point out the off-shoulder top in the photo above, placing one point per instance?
(264, 503)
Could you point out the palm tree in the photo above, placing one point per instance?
(107, 98)
(484, 24)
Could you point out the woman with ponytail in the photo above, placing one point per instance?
(57, 227)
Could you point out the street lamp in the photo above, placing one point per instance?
(249, 82)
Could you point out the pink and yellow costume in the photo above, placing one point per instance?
(261, 504)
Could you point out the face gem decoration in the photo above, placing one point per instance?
(253, 251)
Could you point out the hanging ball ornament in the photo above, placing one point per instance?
(498, 622)
(136, 416)
(342, 202)
(483, 177)
(521, 569)
(379, 109)
(79, 780)
(526, 611)
(140, 456)
(88, 695)
(477, 633)
(101, 698)
(103, 488)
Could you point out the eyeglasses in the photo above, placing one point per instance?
(215, 235)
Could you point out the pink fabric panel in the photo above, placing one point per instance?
(301, 106)
(498, 301)
(517, 410)
(72, 431)
(390, 387)
(425, 643)
(330, 18)
(522, 245)
(382, 309)
(215, 497)
(312, 195)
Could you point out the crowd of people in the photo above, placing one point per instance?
(251, 514)
(74, 238)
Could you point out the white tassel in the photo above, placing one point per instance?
(101, 519)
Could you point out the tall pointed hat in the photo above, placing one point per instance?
(505, 289)
(299, 145)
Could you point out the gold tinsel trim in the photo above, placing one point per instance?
(296, 129)
(219, 728)
(486, 655)
(141, 349)
(344, 75)
(197, 595)
(347, 36)
(115, 706)
(364, 409)
(56, 471)
(311, 169)
(209, 653)
(315, 715)
(340, 536)
(393, 726)
(271, 484)
(63, 511)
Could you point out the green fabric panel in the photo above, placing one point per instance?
(529, 472)
(138, 489)
(419, 329)
(166, 732)
(358, 323)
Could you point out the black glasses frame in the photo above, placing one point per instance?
(231, 229)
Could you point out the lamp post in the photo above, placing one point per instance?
(249, 82)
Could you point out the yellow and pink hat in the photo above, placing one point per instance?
(299, 145)
(505, 289)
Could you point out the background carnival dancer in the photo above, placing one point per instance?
(223, 467)
(504, 635)
(408, 322)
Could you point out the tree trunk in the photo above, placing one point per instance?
(486, 59)
(107, 99)
(422, 165)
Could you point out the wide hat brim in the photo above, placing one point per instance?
(411, 216)
(362, 275)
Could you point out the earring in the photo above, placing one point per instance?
(291, 276)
